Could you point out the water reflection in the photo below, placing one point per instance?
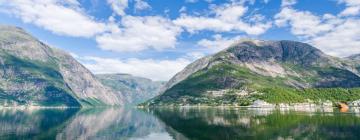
(33, 124)
(113, 123)
(70, 124)
(214, 124)
(177, 124)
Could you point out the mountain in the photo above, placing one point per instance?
(355, 57)
(274, 71)
(32, 73)
(134, 89)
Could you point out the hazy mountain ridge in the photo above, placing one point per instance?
(134, 89)
(355, 57)
(257, 69)
(33, 73)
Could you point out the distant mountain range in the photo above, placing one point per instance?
(272, 71)
(34, 74)
(134, 89)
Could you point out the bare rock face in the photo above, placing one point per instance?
(32, 73)
(85, 84)
(278, 51)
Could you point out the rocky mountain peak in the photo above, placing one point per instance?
(14, 34)
(18, 42)
(280, 51)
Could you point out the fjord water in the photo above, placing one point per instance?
(177, 124)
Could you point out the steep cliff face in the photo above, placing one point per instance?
(32, 73)
(354, 61)
(134, 89)
(255, 66)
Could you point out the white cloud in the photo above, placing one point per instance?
(350, 2)
(335, 35)
(343, 40)
(226, 18)
(191, 1)
(230, 13)
(352, 9)
(182, 9)
(67, 18)
(60, 17)
(194, 55)
(288, 2)
(304, 23)
(140, 33)
(266, 1)
(141, 5)
(119, 6)
(195, 1)
(158, 70)
(218, 43)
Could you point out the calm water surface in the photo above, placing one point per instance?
(177, 124)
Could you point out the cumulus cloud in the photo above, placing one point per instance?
(218, 42)
(305, 23)
(288, 2)
(353, 7)
(225, 18)
(192, 56)
(59, 17)
(343, 40)
(140, 33)
(118, 6)
(141, 5)
(65, 17)
(191, 1)
(158, 70)
(335, 35)
(195, 1)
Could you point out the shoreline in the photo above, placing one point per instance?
(232, 106)
(353, 109)
(263, 104)
(56, 107)
(37, 107)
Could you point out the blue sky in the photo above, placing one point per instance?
(157, 38)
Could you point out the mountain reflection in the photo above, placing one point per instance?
(176, 124)
(33, 123)
(217, 123)
(111, 123)
(69, 124)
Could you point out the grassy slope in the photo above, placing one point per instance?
(55, 91)
(191, 90)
